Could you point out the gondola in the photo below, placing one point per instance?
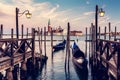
(60, 46)
(78, 57)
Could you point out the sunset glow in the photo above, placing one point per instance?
(80, 13)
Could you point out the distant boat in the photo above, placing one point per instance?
(60, 46)
(76, 33)
(78, 57)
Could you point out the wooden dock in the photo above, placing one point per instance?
(104, 55)
(14, 53)
(17, 55)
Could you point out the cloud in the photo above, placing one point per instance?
(22, 2)
(87, 2)
(2, 14)
(42, 11)
(88, 13)
(79, 18)
(115, 23)
(104, 20)
(103, 6)
(47, 12)
(54, 9)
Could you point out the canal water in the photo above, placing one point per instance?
(54, 68)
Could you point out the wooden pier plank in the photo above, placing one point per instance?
(18, 56)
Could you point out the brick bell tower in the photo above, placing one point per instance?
(49, 26)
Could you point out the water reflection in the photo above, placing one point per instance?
(37, 72)
(44, 73)
(67, 74)
(54, 68)
(82, 73)
(57, 50)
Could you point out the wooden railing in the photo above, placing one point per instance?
(14, 51)
(108, 54)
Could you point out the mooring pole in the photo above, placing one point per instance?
(105, 33)
(12, 33)
(1, 31)
(41, 40)
(22, 27)
(17, 29)
(67, 57)
(89, 43)
(109, 30)
(118, 62)
(52, 42)
(115, 33)
(99, 33)
(86, 44)
(96, 24)
(68, 48)
(45, 40)
(27, 33)
(33, 45)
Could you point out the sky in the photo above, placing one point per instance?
(79, 13)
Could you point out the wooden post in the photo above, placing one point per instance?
(33, 45)
(24, 71)
(45, 40)
(96, 32)
(17, 25)
(1, 31)
(22, 31)
(101, 52)
(118, 62)
(86, 44)
(107, 57)
(12, 33)
(94, 45)
(115, 33)
(9, 74)
(99, 33)
(12, 55)
(52, 42)
(23, 48)
(105, 33)
(67, 57)
(41, 40)
(109, 30)
(89, 43)
(92, 40)
(27, 33)
(68, 45)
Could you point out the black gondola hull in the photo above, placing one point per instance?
(78, 57)
(60, 46)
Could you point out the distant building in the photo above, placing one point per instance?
(76, 33)
(57, 31)
(49, 26)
